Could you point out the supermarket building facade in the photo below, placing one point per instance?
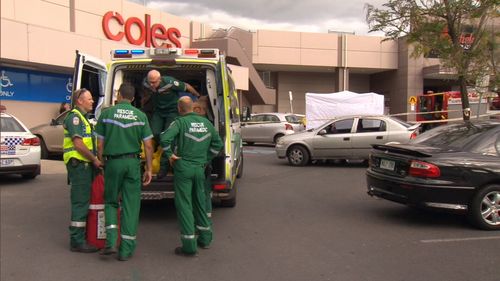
(39, 39)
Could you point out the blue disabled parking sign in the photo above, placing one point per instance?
(37, 86)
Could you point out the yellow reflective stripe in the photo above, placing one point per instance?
(227, 105)
(111, 226)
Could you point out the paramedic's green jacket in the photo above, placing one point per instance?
(195, 136)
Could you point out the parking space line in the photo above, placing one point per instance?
(460, 239)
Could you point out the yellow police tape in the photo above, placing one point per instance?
(442, 120)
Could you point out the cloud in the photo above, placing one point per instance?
(305, 16)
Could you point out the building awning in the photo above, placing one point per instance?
(439, 72)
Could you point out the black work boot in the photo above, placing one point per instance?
(123, 257)
(203, 246)
(108, 251)
(178, 251)
(83, 248)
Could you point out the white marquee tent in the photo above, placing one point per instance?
(323, 107)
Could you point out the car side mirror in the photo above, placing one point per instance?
(53, 122)
(322, 132)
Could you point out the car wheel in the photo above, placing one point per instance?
(298, 155)
(250, 142)
(277, 137)
(485, 208)
(44, 152)
(240, 168)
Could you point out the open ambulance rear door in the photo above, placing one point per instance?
(90, 73)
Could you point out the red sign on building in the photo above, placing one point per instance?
(151, 35)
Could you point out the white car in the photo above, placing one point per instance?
(269, 127)
(20, 149)
(349, 137)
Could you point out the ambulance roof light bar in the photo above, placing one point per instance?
(127, 54)
(164, 52)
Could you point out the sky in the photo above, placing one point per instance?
(292, 15)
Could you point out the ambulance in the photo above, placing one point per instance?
(204, 68)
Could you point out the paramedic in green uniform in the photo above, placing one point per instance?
(120, 131)
(162, 94)
(195, 137)
(79, 157)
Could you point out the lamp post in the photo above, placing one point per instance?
(291, 101)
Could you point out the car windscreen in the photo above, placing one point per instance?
(452, 136)
(292, 119)
(9, 124)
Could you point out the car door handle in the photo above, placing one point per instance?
(379, 137)
(346, 139)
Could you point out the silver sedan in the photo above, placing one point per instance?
(269, 127)
(344, 138)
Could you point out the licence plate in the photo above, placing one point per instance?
(6, 162)
(387, 164)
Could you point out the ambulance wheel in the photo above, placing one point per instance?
(240, 168)
(230, 201)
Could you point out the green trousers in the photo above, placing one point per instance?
(160, 123)
(122, 178)
(208, 192)
(190, 200)
(80, 176)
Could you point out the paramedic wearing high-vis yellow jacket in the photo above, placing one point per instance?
(80, 159)
(120, 131)
(161, 95)
(195, 137)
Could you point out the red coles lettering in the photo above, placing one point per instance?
(155, 35)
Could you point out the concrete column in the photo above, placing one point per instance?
(342, 74)
(342, 79)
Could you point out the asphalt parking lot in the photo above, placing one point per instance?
(290, 223)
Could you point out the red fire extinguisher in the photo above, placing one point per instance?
(96, 228)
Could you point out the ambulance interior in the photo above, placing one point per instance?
(202, 78)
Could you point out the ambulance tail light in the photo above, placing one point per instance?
(219, 187)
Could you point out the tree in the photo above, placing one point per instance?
(460, 32)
